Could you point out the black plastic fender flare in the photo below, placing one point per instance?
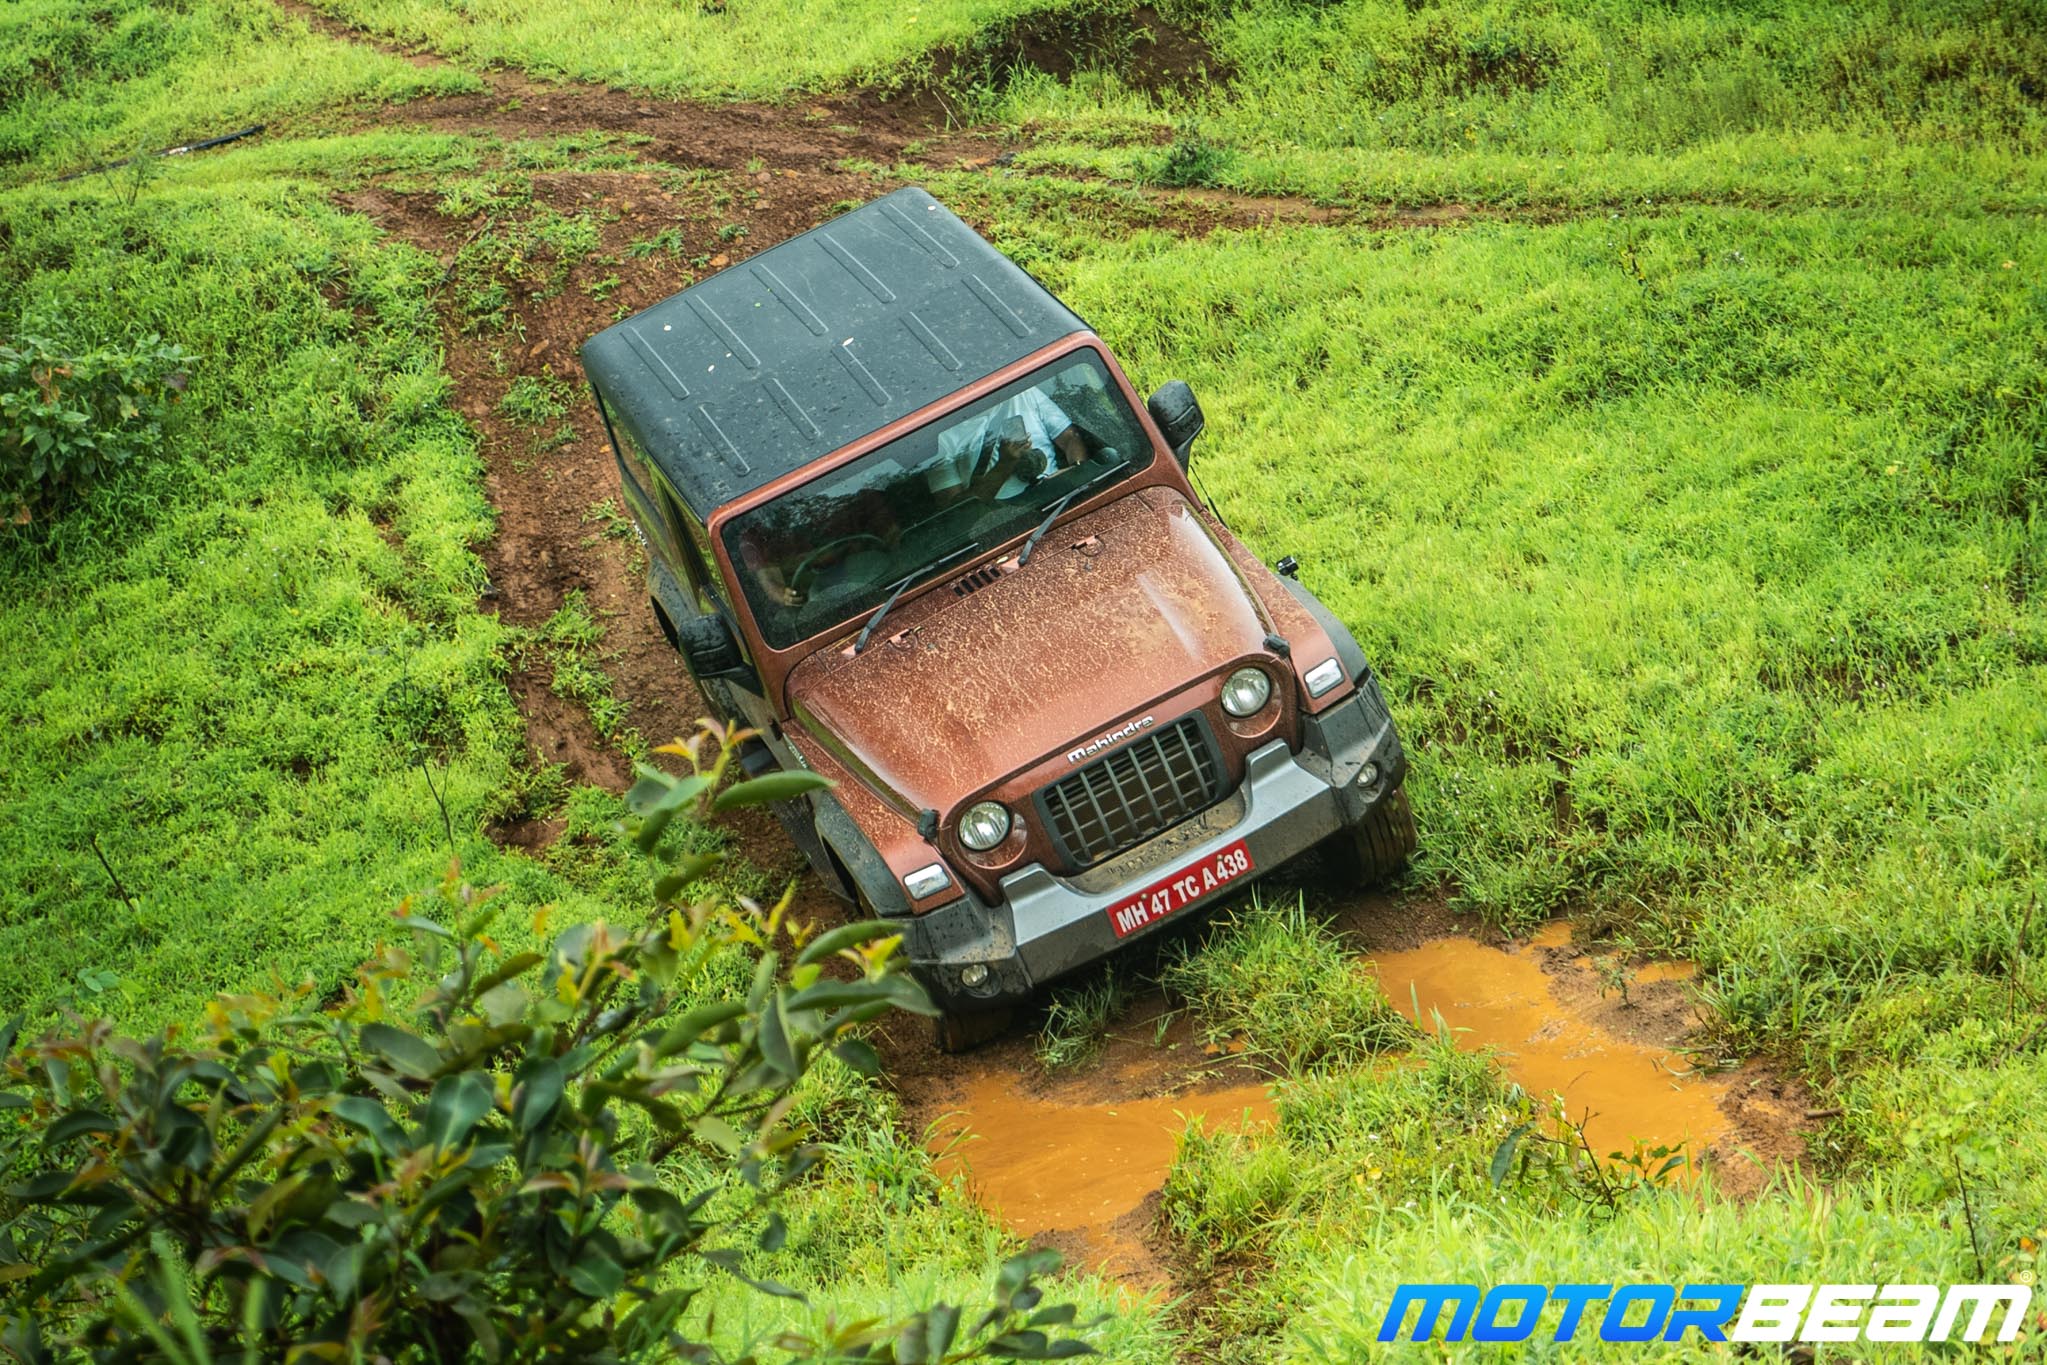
(1348, 651)
(857, 859)
(670, 602)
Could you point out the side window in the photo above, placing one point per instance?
(695, 546)
(645, 492)
(702, 564)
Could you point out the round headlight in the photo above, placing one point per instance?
(1246, 692)
(985, 825)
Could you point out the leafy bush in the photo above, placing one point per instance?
(461, 1155)
(1191, 161)
(69, 418)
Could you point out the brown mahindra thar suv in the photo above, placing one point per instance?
(906, 517)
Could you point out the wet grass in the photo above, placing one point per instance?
(1700, 549)
(1605, 104)
(1700, 553)
(757, 50)
(84, 84)
(1272, 982)
(1078, 1017)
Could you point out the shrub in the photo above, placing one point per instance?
(460, 1156)
(70, 418)
(1191, 161)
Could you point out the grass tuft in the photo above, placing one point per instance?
(1282, 983)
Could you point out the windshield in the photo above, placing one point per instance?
(840, 545)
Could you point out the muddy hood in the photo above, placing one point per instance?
(1115, 610)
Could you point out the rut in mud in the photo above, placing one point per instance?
(1078, 1159)
(1073, 1160)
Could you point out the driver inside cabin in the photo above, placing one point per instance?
(801, 539)
(995, 455)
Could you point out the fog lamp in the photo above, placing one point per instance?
(974, 975)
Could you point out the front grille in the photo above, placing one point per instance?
(1146, 785)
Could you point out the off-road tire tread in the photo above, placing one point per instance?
(957, 1032)
(1377, 849)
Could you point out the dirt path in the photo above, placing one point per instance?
(1105, 1132)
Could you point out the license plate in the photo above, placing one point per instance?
(1180, 890)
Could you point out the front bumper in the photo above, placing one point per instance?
(1048, 925)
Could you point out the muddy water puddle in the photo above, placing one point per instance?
(1076, 1172)
(1076, 1160)
(1508, 1000)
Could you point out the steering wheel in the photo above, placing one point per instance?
(806, 567)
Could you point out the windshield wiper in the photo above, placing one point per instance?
(1060, 506)
(902, 585)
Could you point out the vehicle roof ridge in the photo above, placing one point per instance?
(780, 359)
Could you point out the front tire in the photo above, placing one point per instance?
(1374, 851)
(956, 1032)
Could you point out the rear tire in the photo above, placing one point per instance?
(957, 1032)
(1374, 851)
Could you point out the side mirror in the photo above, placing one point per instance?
(1179, 416)
(707, 646)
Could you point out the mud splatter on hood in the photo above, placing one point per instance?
(1114, 611)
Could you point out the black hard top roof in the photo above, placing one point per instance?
(784, 358)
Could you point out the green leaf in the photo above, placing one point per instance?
(694, 1025)
(595, 1275)
(687, 869)
(859, 1055)
(831, 995)
(905, 993)
(408, 1054)
(457, 1104)
(772, 787)
(540, 1089)
(77, 1123)
(506, 970)
(845, 936)
(655, 819)
(1503, 1155)
(503, 1003)
(666, 1116)
(941, 1326)
(726, 1259)
(365, 1113)
(1024, 1345)
(774, 1039)
(719, 1134)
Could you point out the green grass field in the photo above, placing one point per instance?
(1690, 496)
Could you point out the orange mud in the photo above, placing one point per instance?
(1493, 997)
(1079, 1172)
